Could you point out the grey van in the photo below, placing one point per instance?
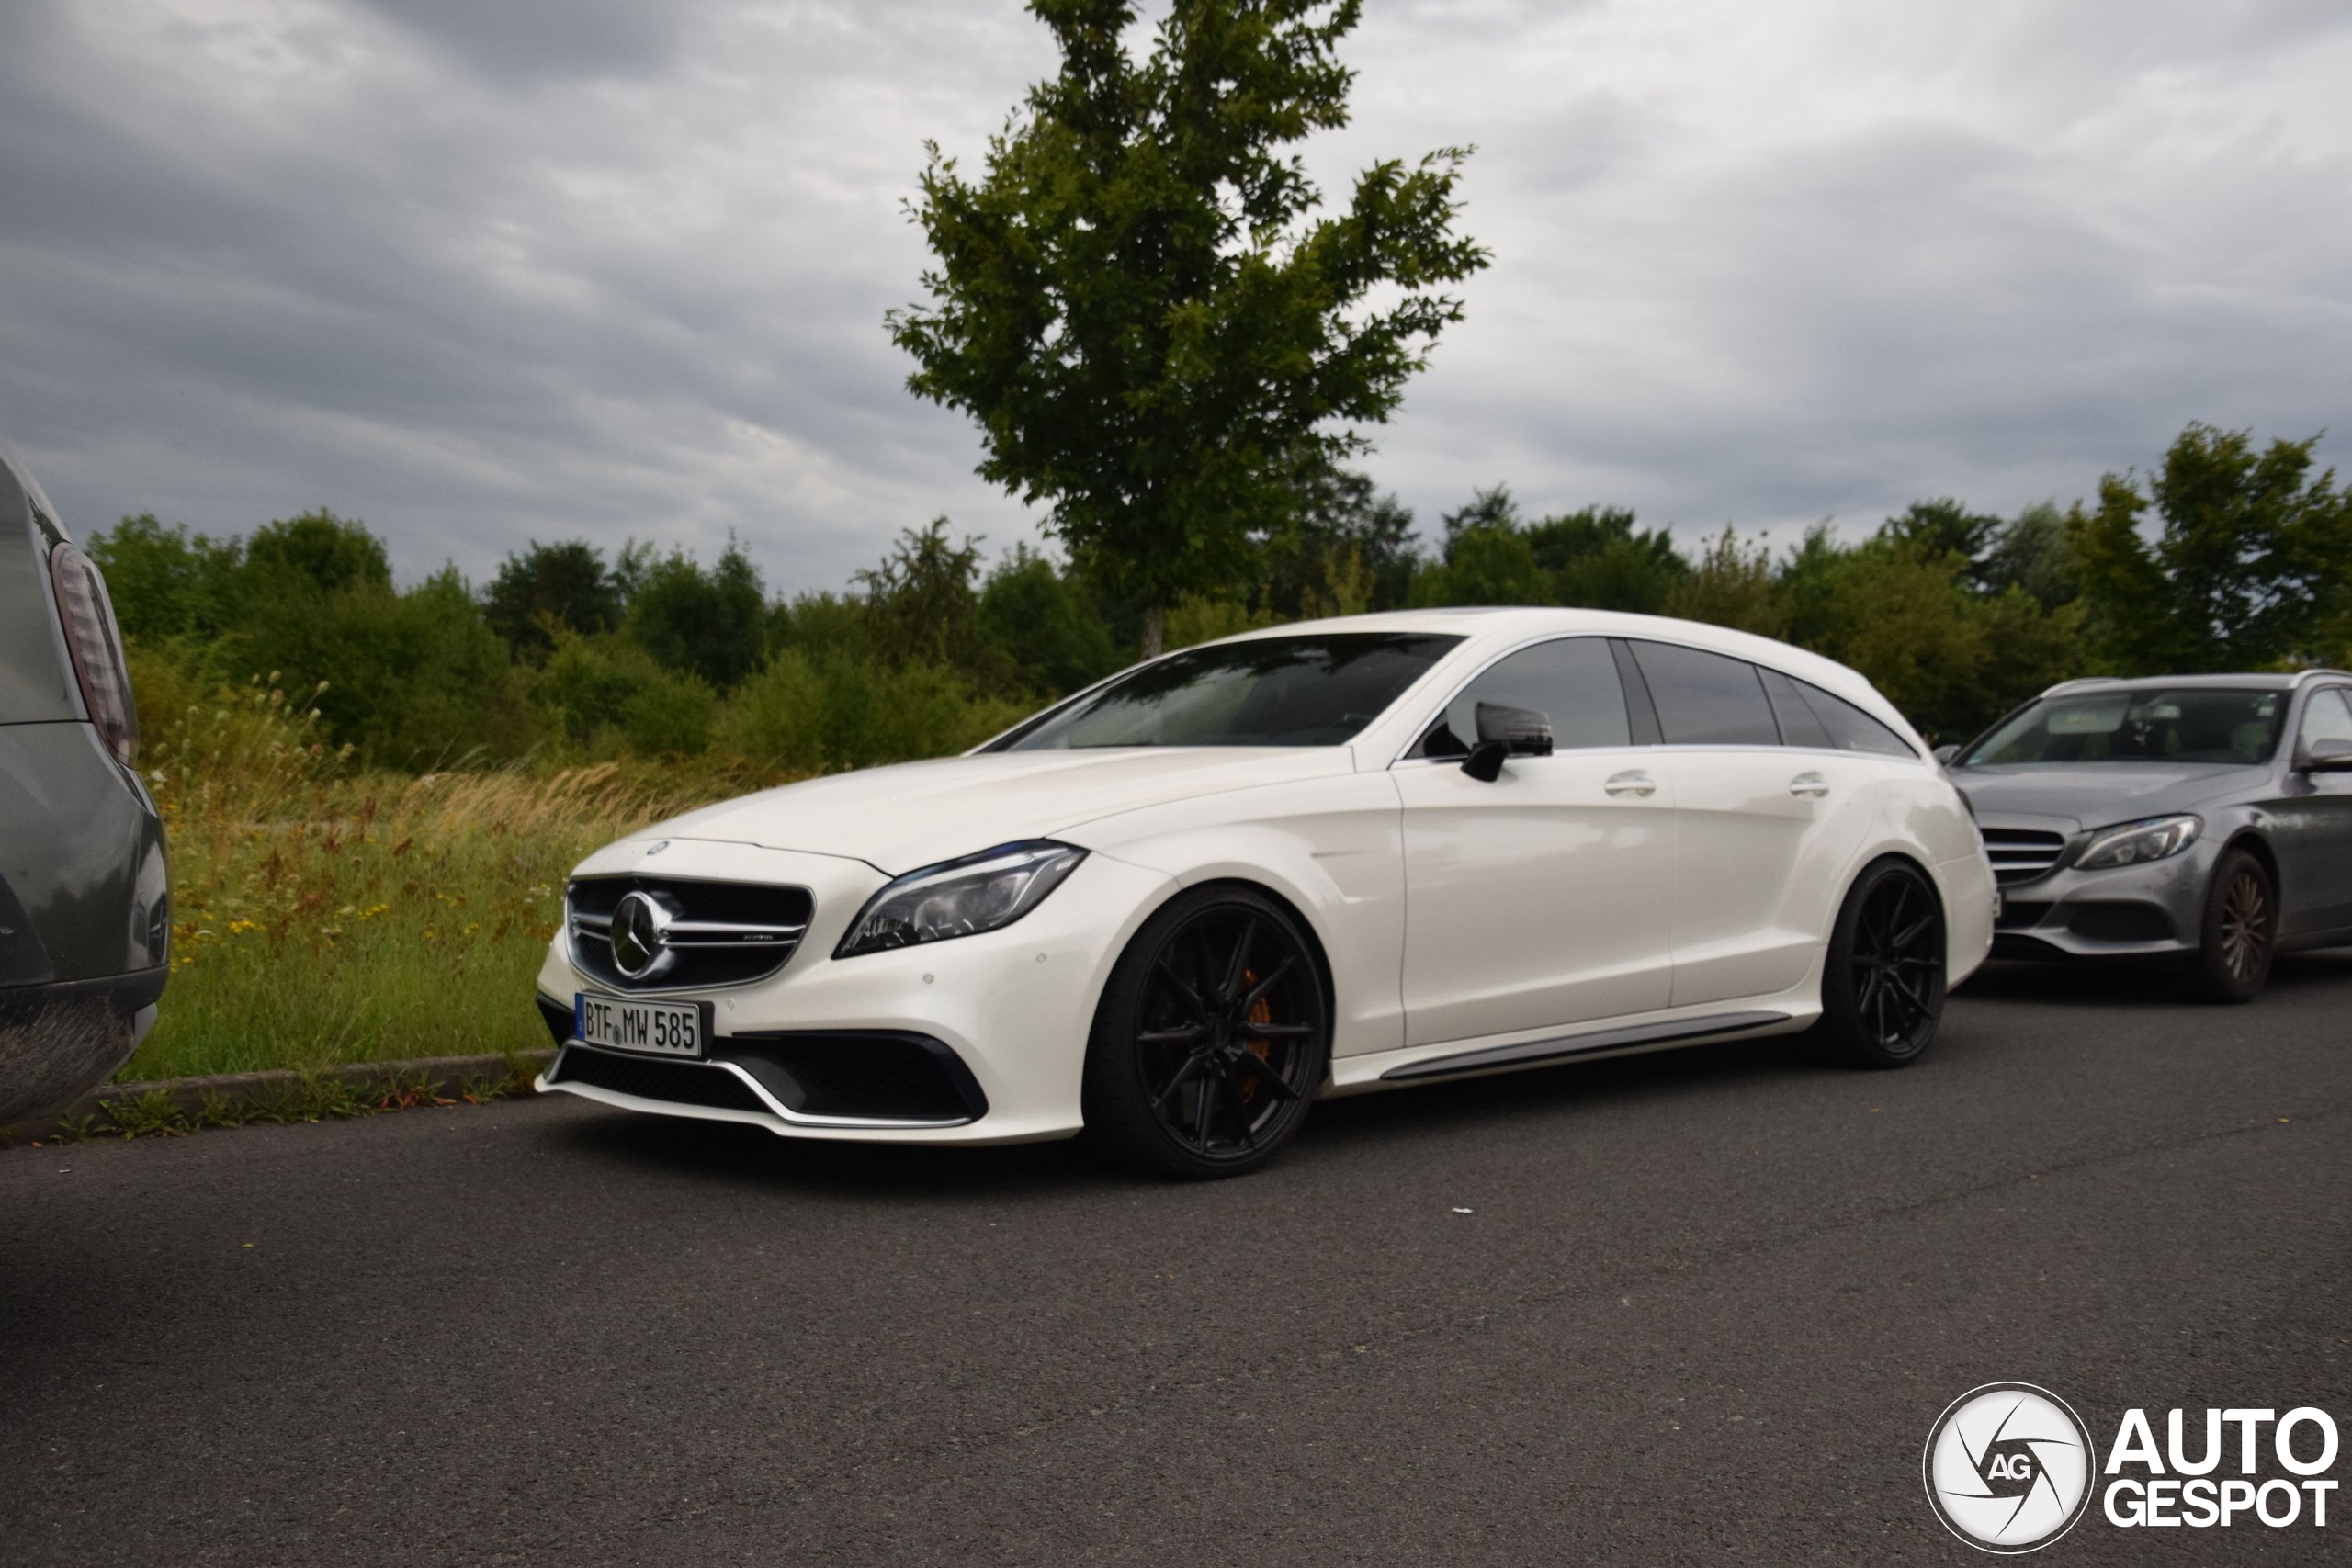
(86, 906)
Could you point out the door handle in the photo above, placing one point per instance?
(1634, 783)
(1808, 786)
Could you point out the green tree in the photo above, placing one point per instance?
(1732, 585)
(1600, 559)
(413, 679)
(2247, 568)
(922, 600)
(166, 582)
(1042, 622)
(1486, 564)
(1339, 516)
(1139, 306)
(1489, 510)
(709, 623)
(1944, 526)
(607, 694)
(2034, 552)
(327, 552)
(566, 584)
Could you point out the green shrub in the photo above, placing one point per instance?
(607, 694)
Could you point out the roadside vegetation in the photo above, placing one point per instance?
(373, 793)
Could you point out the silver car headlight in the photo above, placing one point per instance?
(2134, 843)
(979, 893)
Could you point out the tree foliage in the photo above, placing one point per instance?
(1956, 614)
(1140, 305)
(546, 588)
(2250, 567)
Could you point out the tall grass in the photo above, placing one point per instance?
(326, 914)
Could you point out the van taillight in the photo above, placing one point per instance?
(90, 635)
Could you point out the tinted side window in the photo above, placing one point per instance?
(1705, 699)
(2327, 717)
(1799, 723)
(1851, 729)
(1573, 682)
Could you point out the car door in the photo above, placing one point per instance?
(1541, 898)
(1769, 777)
(2314, 825)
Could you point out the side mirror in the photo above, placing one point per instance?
(1524, 731)
(1944, 754)
(2329, 756)
(1485, 761)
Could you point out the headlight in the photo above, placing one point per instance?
(2137, 841)
(962, 897)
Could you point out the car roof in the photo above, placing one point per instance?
(2260, 680)
(1497, 626)
(1512, 623)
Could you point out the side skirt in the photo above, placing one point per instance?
(1562, 1047)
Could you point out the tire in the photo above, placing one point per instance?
(1211, 1041)
(1882, 983)
(2239, 932)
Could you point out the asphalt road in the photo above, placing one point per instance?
(1705, 1308)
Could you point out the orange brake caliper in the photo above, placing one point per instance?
(1263, 1012)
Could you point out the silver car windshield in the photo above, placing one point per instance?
(2189, 724)
(1278, 691)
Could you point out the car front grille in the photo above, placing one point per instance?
(720, 933)
(679, 1083)
(2021, 854)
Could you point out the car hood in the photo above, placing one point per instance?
(899, 819)
(2098, 794)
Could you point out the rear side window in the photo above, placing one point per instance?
(1573, 682)
(1810, 717)
(1705, 699)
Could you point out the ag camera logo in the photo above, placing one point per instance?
(2009, 1467)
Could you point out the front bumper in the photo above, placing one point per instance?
(1011, 1009)
(2129, 911)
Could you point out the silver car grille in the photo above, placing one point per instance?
(714, 933)
(2021, 854)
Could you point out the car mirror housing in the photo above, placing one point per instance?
(2328, 756)
(1944, 754)
(1485, 761)
(1523, 731)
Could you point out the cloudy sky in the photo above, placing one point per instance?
(479, 271)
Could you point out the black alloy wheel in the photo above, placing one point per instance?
(1883, 986)
(2239, 934)
(1210, 1040)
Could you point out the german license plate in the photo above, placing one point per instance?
(656, 1029)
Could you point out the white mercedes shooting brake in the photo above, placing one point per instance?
(1351, 854)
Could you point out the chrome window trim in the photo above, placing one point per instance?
(1403, 758)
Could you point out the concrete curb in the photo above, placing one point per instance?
(441, 1073)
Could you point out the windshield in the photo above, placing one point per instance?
(1275, 691)
(2187, 724)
